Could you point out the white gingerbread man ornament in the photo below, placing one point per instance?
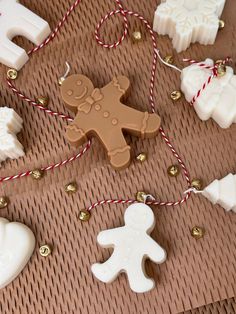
(217, 100)
(15, 19)
(132, 246)
(188, 21)
(10, 125)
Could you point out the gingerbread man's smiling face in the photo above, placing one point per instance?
(139, 216)
(75, 89)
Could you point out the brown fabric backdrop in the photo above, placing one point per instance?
(196, 272)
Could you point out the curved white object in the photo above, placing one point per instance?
(17, 244)
(222, 192)
(217, 100)
(15, 19)
(188, 21)
(10, 125)
(132, 245)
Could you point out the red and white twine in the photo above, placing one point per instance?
(32, 102)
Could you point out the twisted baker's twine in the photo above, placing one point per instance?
(32, 102)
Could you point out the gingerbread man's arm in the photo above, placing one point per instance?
(118, 88)
(154, 251)
(108, 238)
(76, 132)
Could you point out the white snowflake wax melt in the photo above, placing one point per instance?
(222, 192)
(217, 100)
(17, 244)
(15, 19)
(132, 245)
(10, 125)
(188, 21)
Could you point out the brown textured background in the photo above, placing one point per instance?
(196, 273)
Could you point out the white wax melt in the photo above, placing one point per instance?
(132, 245)
(217, 100)
(17, 244)
(10, 125)
(222, 192)
(188, 21)
(16, 20)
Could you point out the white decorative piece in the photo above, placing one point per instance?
(217, 100)
(188, 21)
(17, 244)
(222, 192)
(10, 125)
(16, 20)
(132, 245)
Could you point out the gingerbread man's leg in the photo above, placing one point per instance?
(138, 281)
(117, 148)
(139, 123)
(108, 271)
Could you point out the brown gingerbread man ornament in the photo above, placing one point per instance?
(101, 113)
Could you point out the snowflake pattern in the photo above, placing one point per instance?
(188, 21)
(10, 125)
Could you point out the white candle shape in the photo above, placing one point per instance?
(188, 21)
(10, 125)
(217, 100)
(15, 19)
(222, 192)
(17, 244)
(132, 244)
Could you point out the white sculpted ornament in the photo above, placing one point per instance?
(217, 100)
(222, 192)
(15, 19)
(188, 21)
(17, 244)
(10, 125)
(132, 244)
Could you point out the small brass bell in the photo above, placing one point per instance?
(45, 250)
(197, 232)
(3, 202)
(221, 68)
(12, 74)
(37, 174)
(197, 184)
(169, 59)
(84, 215)
(137, 36)
(43, 101)
(173, 171)
(71, 187)
(141, 157)
(221, 24)
(140, 196)
(176, 95)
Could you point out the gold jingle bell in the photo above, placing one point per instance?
(37, 174)
(169, 59)
(3, 202)
(221, 68)
(137, 36)
(45, 250)
(43, 101)
(140, 196)
(141, 157)
(71, 187)
(221, 24)
(173, 171)
(197, 232)
(12, 74)
(197, 184)
(176, 95)
(84, 215)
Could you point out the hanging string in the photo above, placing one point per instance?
(32, 102)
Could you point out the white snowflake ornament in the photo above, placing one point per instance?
(132, 245)
(188, 21)
(217, 100)
(10, 125)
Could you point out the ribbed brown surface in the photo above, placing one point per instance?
(196, 272)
